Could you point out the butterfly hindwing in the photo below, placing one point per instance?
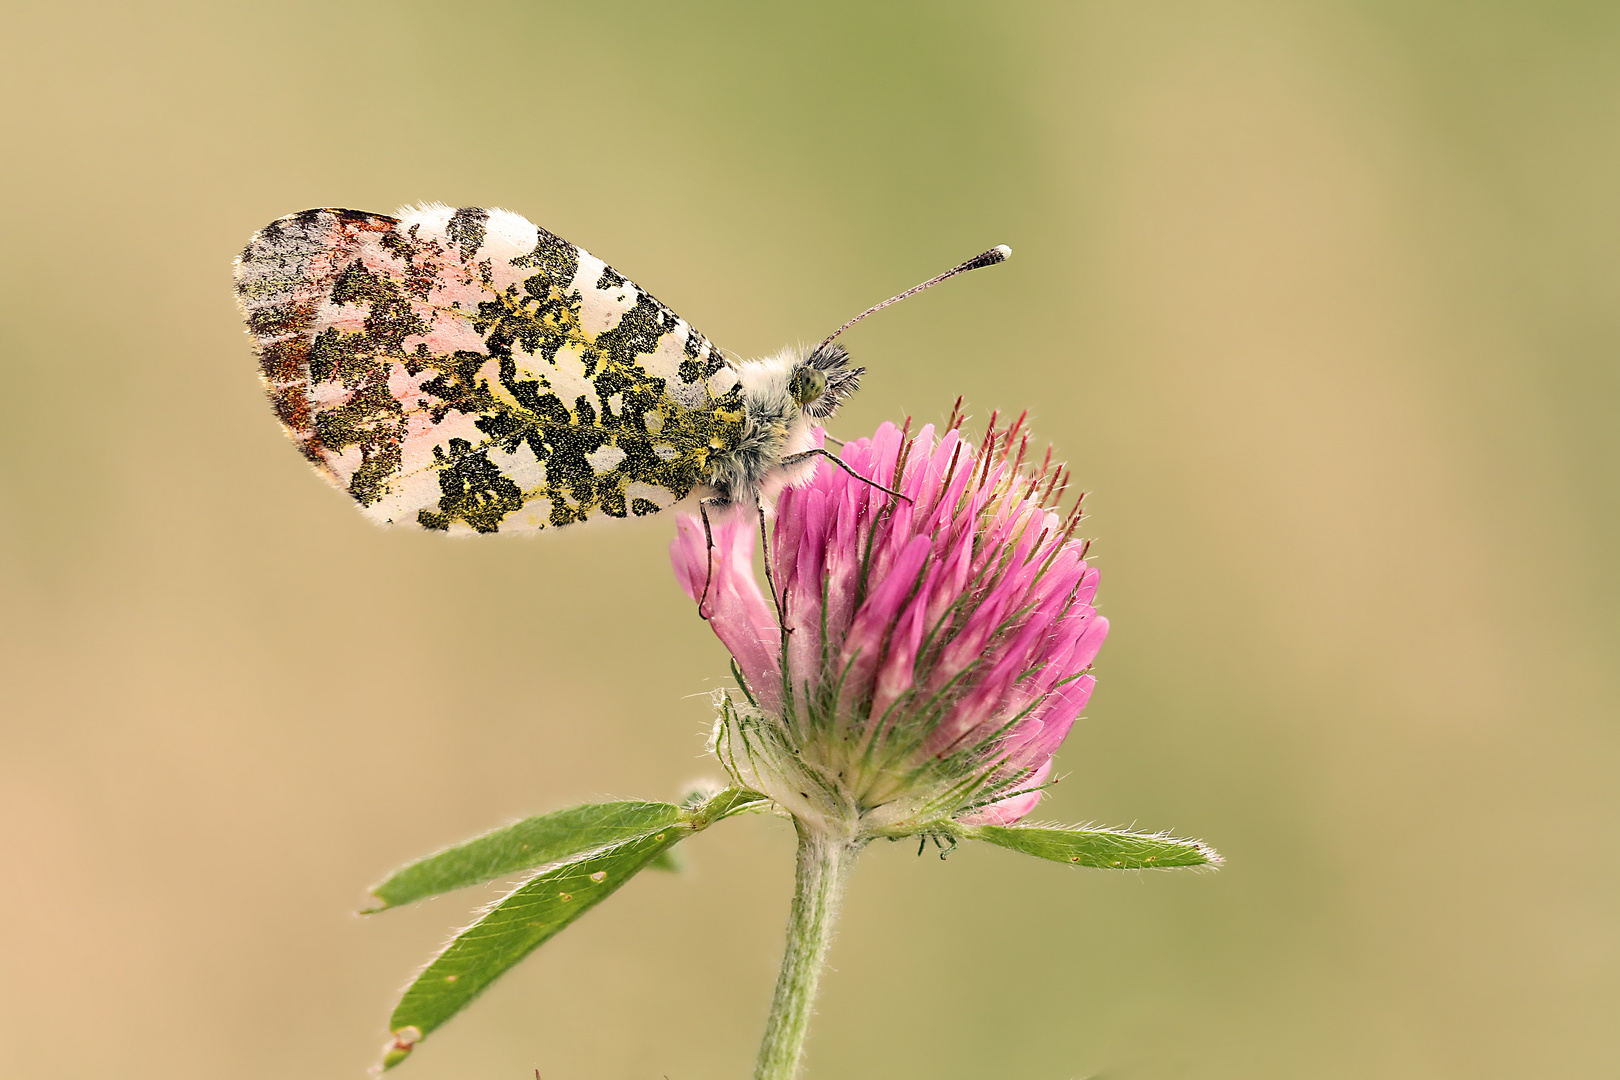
(466, 370)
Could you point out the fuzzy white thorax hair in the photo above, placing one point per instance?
(775, 427)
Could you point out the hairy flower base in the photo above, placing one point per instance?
(837, 787)
(926, 653)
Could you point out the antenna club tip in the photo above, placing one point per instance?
(1003, 251)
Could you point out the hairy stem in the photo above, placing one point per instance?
(819, 884)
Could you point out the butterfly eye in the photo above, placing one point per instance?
(807, 384)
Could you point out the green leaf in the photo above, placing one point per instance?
(669, 861)
(532, 913)
(525, 845)
(1106, 849)
(512, 929)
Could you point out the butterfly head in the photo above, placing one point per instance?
(821, 380)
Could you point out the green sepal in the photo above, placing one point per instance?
(1104, 849)
(525, 845)
(536, 910)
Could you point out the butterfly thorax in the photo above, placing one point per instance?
(774, 426)
(783, 397)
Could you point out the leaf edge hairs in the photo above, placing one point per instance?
(467, 371)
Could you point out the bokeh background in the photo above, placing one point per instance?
(1319, 299)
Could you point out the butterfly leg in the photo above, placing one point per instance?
(708, 552)
(794, 459)
(770, 581)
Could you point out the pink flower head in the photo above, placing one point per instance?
(928, 654)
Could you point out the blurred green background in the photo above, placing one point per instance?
(1319, 300)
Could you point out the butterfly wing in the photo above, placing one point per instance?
(466, 370)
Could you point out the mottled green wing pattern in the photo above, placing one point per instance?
(467, 371)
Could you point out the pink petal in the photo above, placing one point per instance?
(1014, 808)
(738, 612)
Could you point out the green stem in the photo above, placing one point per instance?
(819, 884)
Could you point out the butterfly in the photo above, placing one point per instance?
(466, 371)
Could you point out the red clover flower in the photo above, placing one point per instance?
(925, 654)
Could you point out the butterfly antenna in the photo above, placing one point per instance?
(1000, 253)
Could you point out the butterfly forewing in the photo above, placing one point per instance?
(467, 370)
